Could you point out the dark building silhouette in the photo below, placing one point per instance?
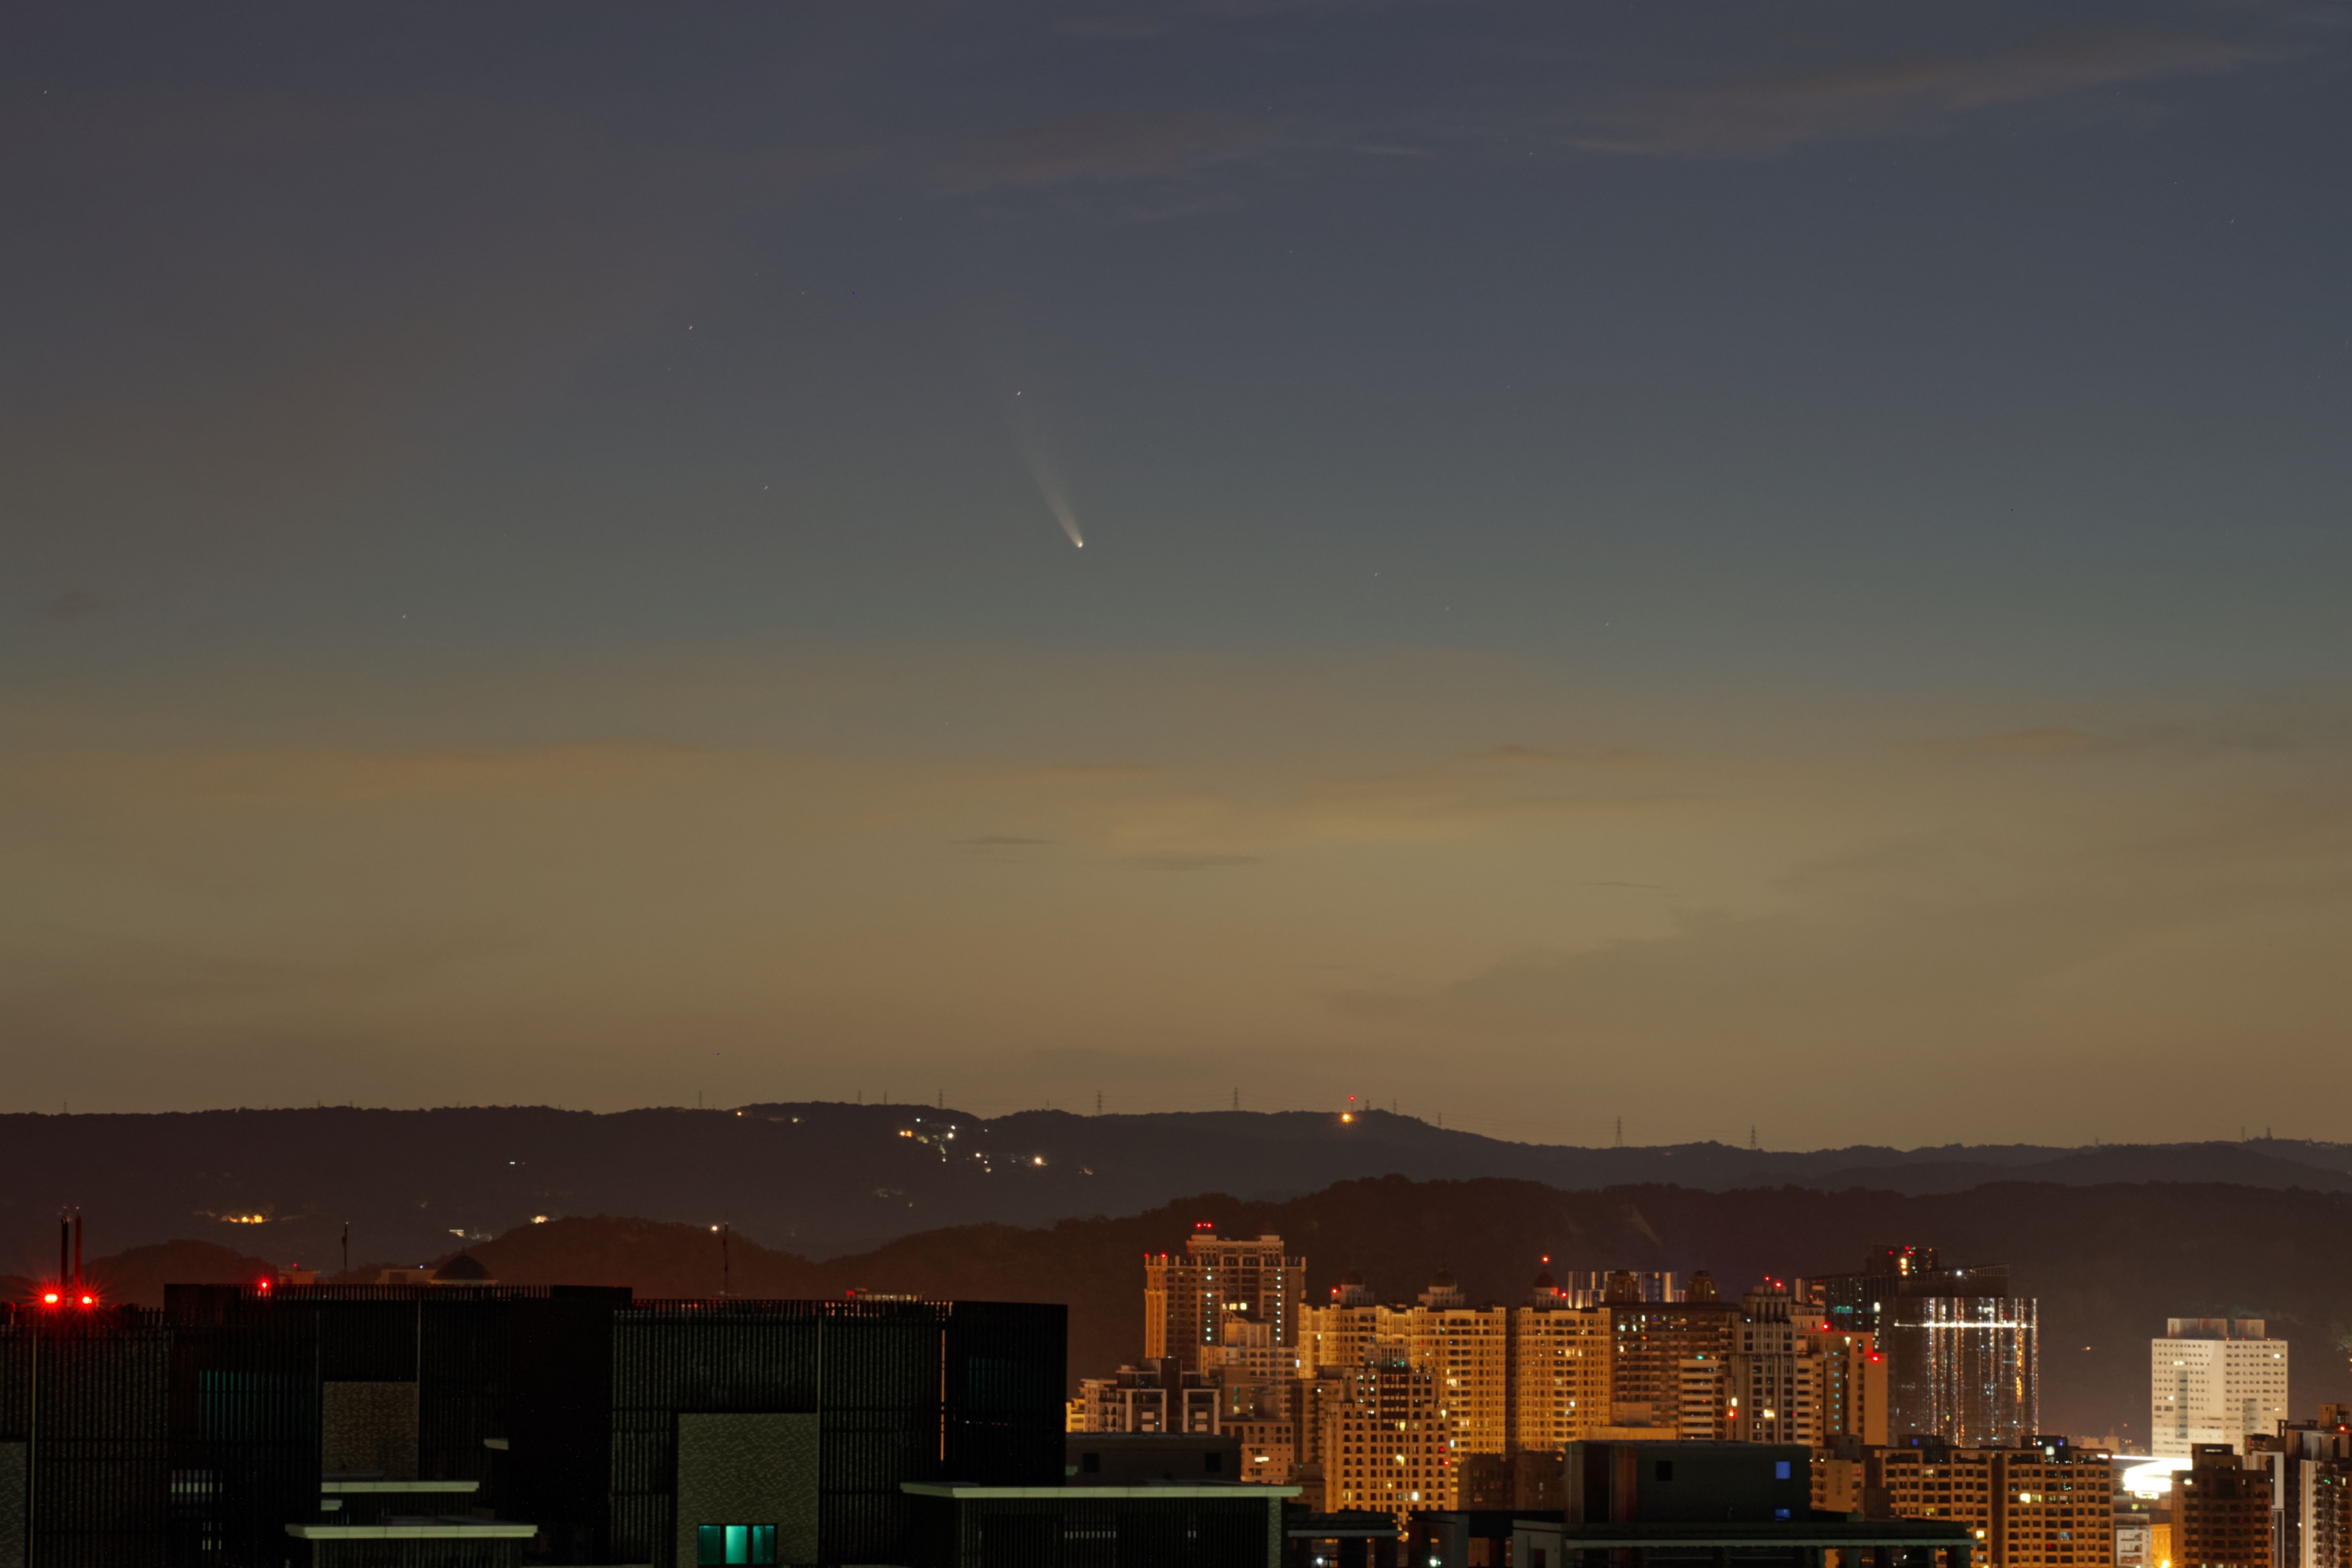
(471, 1426)
(2220, 1512)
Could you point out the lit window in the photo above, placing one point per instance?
(735, 1545)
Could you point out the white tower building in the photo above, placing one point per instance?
(2213, 1380)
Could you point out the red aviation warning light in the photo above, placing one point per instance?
(50, 1297)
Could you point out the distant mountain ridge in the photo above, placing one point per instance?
(824, 1179)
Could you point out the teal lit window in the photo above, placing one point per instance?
(730, 1545)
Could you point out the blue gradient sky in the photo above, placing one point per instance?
(1670, 533)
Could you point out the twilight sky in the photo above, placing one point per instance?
(1722, 563)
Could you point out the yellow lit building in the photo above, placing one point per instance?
(1269, 1450)
(1939, 1483)
(1468, 1350)
(1345, 1333)
(1187, 1296)
(1559, 1364)
(2044, 1505)
(1385, 1447)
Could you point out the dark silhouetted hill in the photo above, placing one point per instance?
(2107, 1263)
(823, 1180)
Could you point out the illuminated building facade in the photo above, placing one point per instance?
(1963, 1356)
(1508, 1379)
(1188, 1296)
(2044, 1504)
(1339, 1336)
(2056, 1508)
(2214, 1380)
(1269, 1450)
(1384, 1443)
(1649, 1343)
(1934, 1480)
(1467, 1350)
(1963, 1368)
(1560, 1360)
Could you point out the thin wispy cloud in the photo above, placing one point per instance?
(72, 604)
(1909, 94)
(1109, 146)
(1122, 26)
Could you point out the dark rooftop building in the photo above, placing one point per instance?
(461, 1425)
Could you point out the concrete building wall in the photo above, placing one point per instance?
(749, 1469)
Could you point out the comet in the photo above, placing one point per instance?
(1047, 476)
(1049, 485)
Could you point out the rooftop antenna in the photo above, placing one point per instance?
(347, 1246)
(64, 1245)
(726, 1261)
(77, 1230)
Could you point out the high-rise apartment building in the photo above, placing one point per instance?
(2214, 1380)
(1507, 1380)
(1465, 1349)
(1384, 1443)
(1337, 1336)
(1188, 1296)
(2043, 1504)
(1650, 1343)
(2220, 1511)
(1790, 1378)
(1468, 1350)
(1560, 1359)
(1931, 1479)
(2057, 1507)
(2325, 1496)
(2309, 1464)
